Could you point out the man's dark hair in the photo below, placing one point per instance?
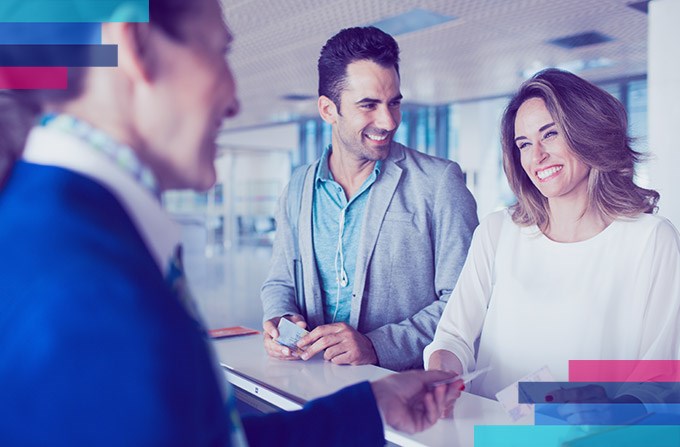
(351, 45)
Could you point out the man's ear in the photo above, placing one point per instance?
(327, 109)
(135, 55)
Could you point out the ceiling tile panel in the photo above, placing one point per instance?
(483, 53)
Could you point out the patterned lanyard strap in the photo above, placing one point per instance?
(119, 153)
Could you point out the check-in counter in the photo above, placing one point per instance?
(288, 385)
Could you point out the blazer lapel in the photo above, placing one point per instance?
(378, 201)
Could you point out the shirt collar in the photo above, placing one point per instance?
(124, 156)
(53, 147)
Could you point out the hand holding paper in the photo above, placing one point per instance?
(466, 378)
(289, 334)
(272, 332)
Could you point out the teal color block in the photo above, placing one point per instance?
(74, 11)
(577, 436)
(522, 435)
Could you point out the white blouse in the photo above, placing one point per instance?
(533, 302)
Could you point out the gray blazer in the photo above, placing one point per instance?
(416, 231)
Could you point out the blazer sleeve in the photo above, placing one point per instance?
(348, 417)
(278, 290)
(452, 223)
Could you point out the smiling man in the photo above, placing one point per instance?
(383, 230)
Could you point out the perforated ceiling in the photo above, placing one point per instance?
(480, 54)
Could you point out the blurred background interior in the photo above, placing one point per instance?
(460, 62)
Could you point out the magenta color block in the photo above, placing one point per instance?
(624, 370)
(31, 78)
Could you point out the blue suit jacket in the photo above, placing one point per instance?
(95, 349)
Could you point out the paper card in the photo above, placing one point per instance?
(231, 331)
(289, 334)
(509, 396)
(466, 378)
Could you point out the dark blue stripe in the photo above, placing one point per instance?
(58, 55)
(563, 392)
(50, 33)
(607, 414)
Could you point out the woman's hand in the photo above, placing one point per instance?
(443, 360)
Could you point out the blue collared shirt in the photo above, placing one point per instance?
(330, 203)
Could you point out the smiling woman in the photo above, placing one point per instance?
(590, 127)
(579, 268)
(553, 168)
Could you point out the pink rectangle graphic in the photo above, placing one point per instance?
(624, 370)
(31, 78)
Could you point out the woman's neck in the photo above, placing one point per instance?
(570, 223)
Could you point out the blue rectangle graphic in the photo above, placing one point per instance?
(22, 11)
(590, 392)
(577, 436)
(607, 414)
(50, 33)
(58, 55)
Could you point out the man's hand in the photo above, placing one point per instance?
(342, 343)
(408, 404)
(271, 333)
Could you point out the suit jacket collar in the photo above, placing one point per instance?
(378, 202)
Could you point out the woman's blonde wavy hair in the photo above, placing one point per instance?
(595, 126)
